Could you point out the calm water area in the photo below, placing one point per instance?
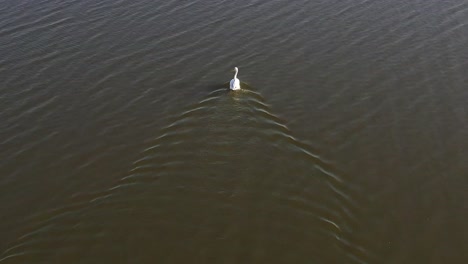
(120, 141)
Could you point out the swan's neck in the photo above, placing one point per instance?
(235, 75)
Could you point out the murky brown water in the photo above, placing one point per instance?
(120, 143)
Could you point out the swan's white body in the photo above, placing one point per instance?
(235, 83)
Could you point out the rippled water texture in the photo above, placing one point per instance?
(121, 143)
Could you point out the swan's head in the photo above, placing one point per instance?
(235, 69)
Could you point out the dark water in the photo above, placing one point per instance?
(120, 143)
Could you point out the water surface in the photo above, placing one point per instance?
(121, 143)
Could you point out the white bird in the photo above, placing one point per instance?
(235, 83)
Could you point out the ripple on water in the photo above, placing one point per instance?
(225, 170)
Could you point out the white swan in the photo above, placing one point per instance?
(235, 83)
